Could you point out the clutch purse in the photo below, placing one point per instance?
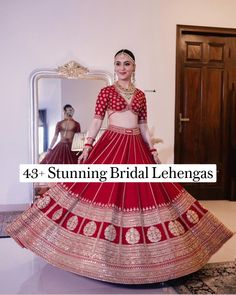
(78, 142)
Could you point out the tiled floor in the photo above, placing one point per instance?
(226, 212)
(23, 272)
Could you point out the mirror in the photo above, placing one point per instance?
(51, 89)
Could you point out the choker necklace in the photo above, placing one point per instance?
(126, 92)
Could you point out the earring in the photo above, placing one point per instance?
(114, 78)
(133, 78)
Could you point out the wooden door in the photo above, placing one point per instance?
(203, 88)
(232, 119)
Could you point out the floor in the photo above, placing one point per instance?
(21, 272)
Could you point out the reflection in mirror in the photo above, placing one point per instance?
(51, 89)
(56, 93)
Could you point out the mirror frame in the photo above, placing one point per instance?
(70, 70)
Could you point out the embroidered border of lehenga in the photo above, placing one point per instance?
(131, 233)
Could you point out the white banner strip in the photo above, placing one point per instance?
(118, 173)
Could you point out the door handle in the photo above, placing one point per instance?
(181, 120)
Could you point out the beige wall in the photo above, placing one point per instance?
(39, 34)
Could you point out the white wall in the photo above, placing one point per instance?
(39, 34)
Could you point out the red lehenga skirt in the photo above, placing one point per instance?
(130, 233)
(61, 154)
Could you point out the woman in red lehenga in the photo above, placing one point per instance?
(130, 233)
(61, 153)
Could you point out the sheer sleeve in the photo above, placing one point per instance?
(101, 104)
(142, 115)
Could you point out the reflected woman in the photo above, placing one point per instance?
(61, 153)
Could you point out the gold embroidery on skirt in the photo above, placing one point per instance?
(132, 236)
(192, 216)
(42, 203)
(110, 233)
(90, 228)
(72, 223)
(176, 228)
(56, 215)
(154, 234)
(137, 263)
(164, 213)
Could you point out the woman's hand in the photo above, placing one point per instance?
(156, 158)
(83, 157)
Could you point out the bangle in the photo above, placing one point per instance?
(153, 150)
(88, 144)
(88, 147)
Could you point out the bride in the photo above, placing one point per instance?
(129, 233)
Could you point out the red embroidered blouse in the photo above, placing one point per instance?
(110, 98)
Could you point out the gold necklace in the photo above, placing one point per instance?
(131, 88)
(127, 93)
